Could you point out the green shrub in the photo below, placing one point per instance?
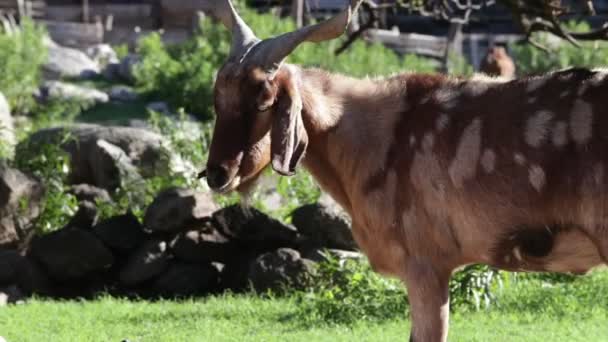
(561, 54)
(51, 165)
(21, 55)
(345, 292)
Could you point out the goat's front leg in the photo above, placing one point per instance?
(428, 293)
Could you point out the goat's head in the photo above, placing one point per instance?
(258, 103)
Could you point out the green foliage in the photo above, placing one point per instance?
(561, 54)
(122, 50)
(342, 292)
(51, 165)
(474, 287)
(22, 52)
(183, 74)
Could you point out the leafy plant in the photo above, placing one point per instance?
(560, 54)
(51, 165)
(22, 52)
(343, 292)
(474, 287)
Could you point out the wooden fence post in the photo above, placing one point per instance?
(454, 44)
(297, 12)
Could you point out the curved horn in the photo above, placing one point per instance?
(242, 35)
(270, 53)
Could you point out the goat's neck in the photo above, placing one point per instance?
(344, 118)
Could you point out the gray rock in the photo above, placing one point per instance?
(320, 254)
(86, 216)
(68, 62)
(90, 193)
(111, 166)
(275, 270)
(56, 90)
(10, 264)
(122, 93)
(147, 262)
(182, 280)
(176, 209)
(159, 107)
(16, 219)
(10, 295)
(121, 233)
(251, 227)
(32, 279)
(7, 128)
(69, 254)
(204, 245)
(325, 224)
(102, 54)
(126, 67)
(147, 151)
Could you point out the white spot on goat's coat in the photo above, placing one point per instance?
(519, 159)
(537, 177)
(537, 128)
(488, 161)
(442, 122)
(559, 135)
(581, 122)
(464, 164)
(447, 98)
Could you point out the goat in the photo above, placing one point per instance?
(498, 63)
(436, 172)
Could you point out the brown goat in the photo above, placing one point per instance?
(436, 172)
(498, 63)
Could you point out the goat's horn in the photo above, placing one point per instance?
(242, 35)
(271, 52)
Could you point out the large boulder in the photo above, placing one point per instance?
(121, 233)
(57, 90)
(10, 295)
(67, 62)
(325, 224)
(204, 245)
(102, 54)
(99, 153)
(90, 193)
(147, 262)
(122, 70)
(31, 278)
(254, 229)
(16, 219)
(275, 270)
(177, 209)
(182, 280)
(7, 129)
(86, 216)
(10, 263)
(122, 93)
(70, 254)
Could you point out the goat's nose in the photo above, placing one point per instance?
(217, 176)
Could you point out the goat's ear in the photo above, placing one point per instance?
(288, 135)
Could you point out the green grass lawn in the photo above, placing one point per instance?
(528, 311)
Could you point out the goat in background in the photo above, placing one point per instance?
(436, 172)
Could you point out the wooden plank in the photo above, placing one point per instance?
(181, 13)
(132, 15)
(404, 43)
